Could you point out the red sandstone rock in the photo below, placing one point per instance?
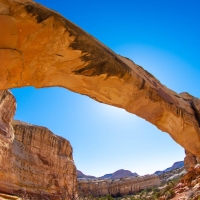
(192, 180)
(66, 56)
(35, 163)
(7, 111)
(189, 161)
(197, 169)
(188, 178)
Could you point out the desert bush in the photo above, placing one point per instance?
(169, 194)
(157, 195)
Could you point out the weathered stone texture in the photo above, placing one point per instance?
(190, 160)
(7, 111)
(40, 48)
(121, 186)
(35, 163)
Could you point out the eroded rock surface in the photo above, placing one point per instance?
(7, 111)
(40, 48)
(190, 160)
(189, 187)
(121, 186)
(35, 164)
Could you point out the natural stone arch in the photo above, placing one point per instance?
(40, 48)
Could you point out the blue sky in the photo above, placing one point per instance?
(160, 35)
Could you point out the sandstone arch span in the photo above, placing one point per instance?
(40, 48)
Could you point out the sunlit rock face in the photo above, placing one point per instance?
(40, 48)
(34, 163)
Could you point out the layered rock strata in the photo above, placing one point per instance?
(7, 111)
(40, 48)
(116, 187)
(35, 164)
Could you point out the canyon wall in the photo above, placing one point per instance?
(40, 48)
(115, 187)
(35, 163)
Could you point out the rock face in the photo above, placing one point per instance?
(7, 111)
(35, 163)
(190, 160)
(40, 48)
(118, 186)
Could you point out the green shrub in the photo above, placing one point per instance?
(169, 194)
(157, 194)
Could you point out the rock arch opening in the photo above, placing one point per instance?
(40, 48)
(99, 134)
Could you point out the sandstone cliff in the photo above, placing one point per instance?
(114, 187)
(38, 47)
(36, 163)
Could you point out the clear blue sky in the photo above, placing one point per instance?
(160, 35)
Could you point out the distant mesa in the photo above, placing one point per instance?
(176, 165)
(119, 174)
(81, 175)
(116, 175)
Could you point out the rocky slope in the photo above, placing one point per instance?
(39, 47)
(35, 163)
(189, 186)
(171, 175)
(176, 165)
